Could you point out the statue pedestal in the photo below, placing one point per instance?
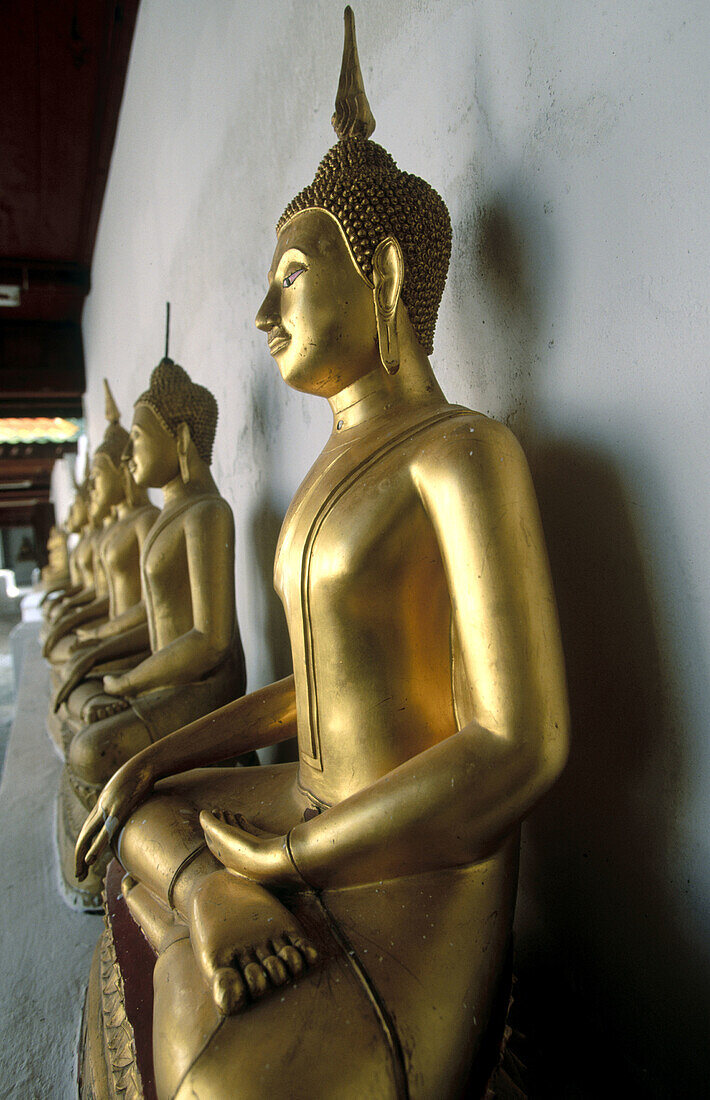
(45, 948)
(116, 1049)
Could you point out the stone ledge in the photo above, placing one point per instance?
(45, 948)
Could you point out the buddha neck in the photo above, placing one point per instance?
(139, 500)
(378, 393)
(200, 484)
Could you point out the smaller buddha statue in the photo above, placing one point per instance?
(340, 926)
(126, 626)
(106, 492)
(80, 556)
(195, 662)
(54, 576)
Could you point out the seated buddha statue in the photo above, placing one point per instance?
(119, 558)
(187, 616)
(106, 492)
(341, 926)
(73, 525)
(54, 576)
(80, 556)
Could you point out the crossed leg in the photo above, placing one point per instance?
(245, 941)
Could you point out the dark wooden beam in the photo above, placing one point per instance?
(47, 291)
(41, 359)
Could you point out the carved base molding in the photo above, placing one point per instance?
(108, 1068)
(71, 815)
(115, 1055)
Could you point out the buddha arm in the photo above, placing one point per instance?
(261, 718)
(69, 591)
(208, 529)
(84, 595)
(126, 644)
(264, 717)
(127, 620)
(52, 590)
(73, 619)
(453, 803)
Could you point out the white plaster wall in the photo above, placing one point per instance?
(570, 142)
(66, 472)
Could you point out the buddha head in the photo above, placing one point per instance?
(174, 425)
(77, 515)
(361, 252)
(106, 481)
(133, 494)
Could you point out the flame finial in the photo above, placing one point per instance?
(352, 117)
(112, 414)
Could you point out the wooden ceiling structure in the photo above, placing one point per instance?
(62, 70)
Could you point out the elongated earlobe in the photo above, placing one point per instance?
(388, 276)
(183, 443)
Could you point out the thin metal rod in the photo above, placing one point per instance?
(167, 328)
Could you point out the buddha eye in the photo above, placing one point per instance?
(291, 278)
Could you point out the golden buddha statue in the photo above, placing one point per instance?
(80, 557)
(77, 518)
(341, 926)
(186, 619)
(119, 556)
(106, 491)
(54, 576)
(69, 582)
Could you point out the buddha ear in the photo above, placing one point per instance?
(129, 484)
(388, 277)
(183, 445)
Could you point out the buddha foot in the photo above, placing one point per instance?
(103, 707)
(246, 942)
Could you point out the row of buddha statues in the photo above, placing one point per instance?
(339, 926)
(147, 638)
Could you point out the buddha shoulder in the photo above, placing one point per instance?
(470, 448)
(210, 516)
(144, 520)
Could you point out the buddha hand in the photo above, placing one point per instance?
(248, 851)
(123, 793)
(49, 642)
(79, 666)
(118, 685)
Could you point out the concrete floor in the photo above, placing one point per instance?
(45, 947)
(7, 687)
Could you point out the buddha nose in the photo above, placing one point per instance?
(269, 315)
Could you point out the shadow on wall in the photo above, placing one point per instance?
(612, 993)
(265, 521)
